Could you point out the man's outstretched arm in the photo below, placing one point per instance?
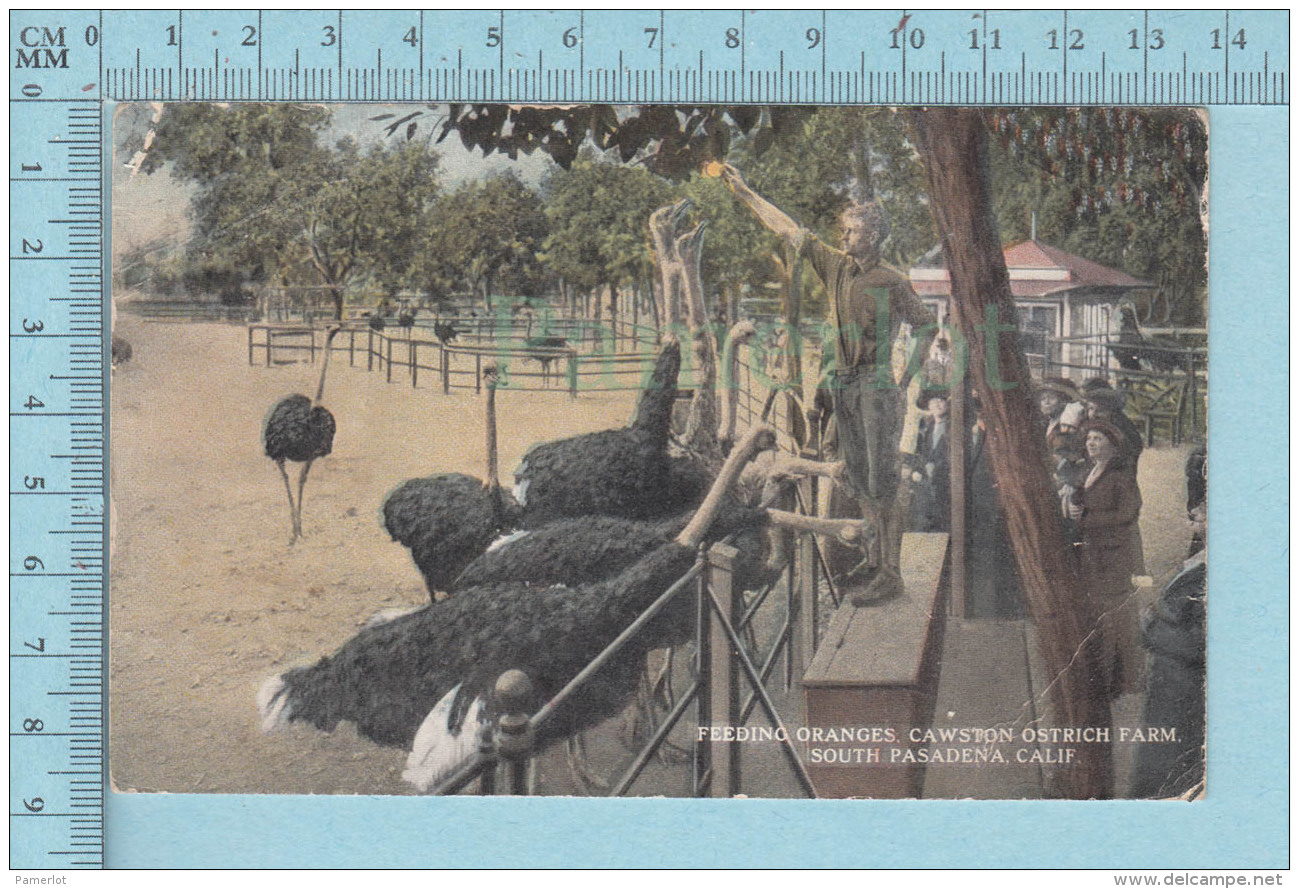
(768, 213)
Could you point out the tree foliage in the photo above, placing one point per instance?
(1119, 186)
(598, 211)
(275, 203)
(484, 237)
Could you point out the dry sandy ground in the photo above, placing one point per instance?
(208, 599)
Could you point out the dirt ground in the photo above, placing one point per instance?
(208, 599)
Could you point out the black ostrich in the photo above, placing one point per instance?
(445, 331)
(423, 680)
(120, 351)
(617, 472)
(446, 520)
(300, 430)
(1135, 350)
(548, 349)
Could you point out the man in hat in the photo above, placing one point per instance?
(931, 504)
(869, 302)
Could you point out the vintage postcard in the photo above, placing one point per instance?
(689, 451)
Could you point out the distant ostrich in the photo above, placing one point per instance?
(120, 351)
(550, 348)
(300, 430)
(445, 331)
(448, 519)
(1135, 349)
(424, 679)
(618, 472)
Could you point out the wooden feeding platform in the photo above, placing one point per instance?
(874, 677)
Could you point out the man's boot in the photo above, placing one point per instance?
(887, 583)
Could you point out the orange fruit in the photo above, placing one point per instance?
(712, 169)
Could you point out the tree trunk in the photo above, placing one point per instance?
(953, 145)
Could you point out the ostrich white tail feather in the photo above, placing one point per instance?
(506, 540)
(437, 749)
(273, 704)
(388, 615)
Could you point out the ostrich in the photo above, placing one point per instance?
(448, 519)
(617, 472)
(549, 348)
(424, 679)
(120, 351)
(445, 331)
(300, 430)
(662, 227)
(1135, 349)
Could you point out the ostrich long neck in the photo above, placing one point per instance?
(730, 383)
(324, 366)
(493, 474)
(701, 425)
(745, 451)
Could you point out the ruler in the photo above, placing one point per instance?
(66, 65)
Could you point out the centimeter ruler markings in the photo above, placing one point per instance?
(57, 425)
(879, 56)
(66, 64)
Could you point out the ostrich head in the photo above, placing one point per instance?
(690, 244)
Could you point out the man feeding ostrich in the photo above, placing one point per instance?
(869, 301)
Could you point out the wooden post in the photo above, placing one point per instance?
(803, 601)
(412, 347)
(704, 697)
(722, 675)
(446, 370)
(478, 374)
(351, 347)
(250, 346)
(388, 341)
(369, 349)
(958, 428)
(311, 338)
(514, 739)
(571, 370)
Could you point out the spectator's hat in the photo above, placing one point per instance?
(1073, 415)
(1060, 386)
(1111, 400)
(1109, 430)
(926, 395)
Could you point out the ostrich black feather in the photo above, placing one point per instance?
(618, 472)
(297, 431)
(388, 678)
(445, 521)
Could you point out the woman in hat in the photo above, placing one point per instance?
(1104, 403)
(1107, 508)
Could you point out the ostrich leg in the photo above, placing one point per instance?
(288, 489)
(302, 483)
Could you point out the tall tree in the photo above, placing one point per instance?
(953, 143)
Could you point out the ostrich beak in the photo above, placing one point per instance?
(680, 209)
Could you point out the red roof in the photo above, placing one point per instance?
(1037, 270)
